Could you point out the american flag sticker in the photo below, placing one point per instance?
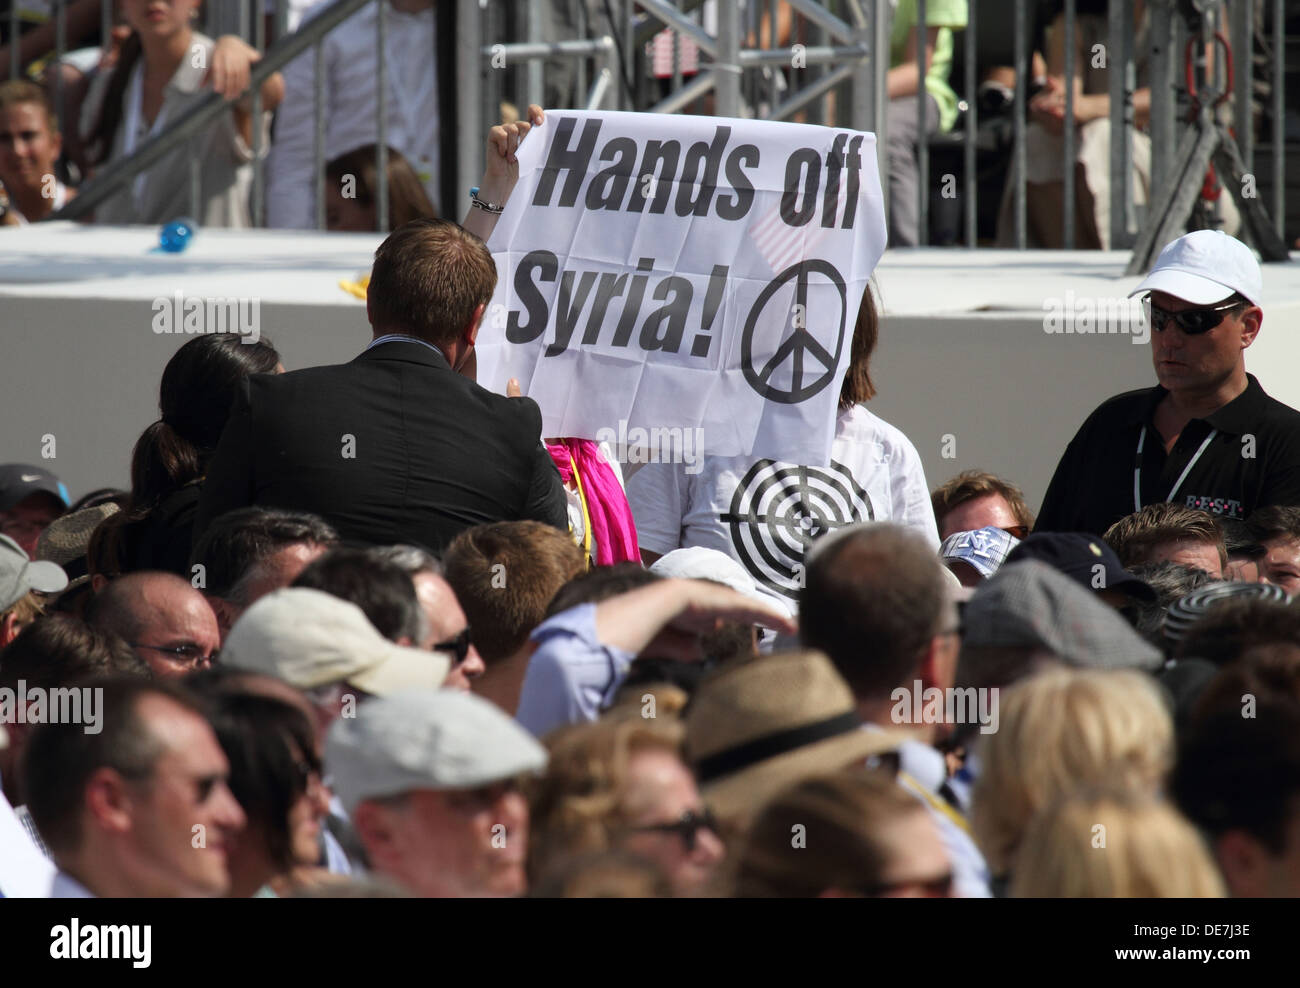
(781, 244)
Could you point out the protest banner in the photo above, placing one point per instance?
(663, 272)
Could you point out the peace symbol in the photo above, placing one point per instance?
(799, 342)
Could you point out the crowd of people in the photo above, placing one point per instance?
(73, 114)
(364, 630)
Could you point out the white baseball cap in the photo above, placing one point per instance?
(1205, 267)
(700, 563)
(309, 638)
(426, 739)
(18, 574)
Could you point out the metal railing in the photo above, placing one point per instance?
(841, 77)
(116, 174)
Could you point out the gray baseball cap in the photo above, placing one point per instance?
(309, 638)
(426, 739)
(18, 574)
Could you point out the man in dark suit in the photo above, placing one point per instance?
(396, 446)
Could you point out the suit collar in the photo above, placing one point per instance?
(405, 350)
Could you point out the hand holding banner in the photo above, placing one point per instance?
(673, 272)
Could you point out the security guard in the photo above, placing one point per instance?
(1207, 436)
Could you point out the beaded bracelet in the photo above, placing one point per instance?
(483, 204)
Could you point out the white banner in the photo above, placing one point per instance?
(664, 272)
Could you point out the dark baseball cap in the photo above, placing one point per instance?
(1077, 555)
(20, 480)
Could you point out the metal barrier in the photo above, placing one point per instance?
(833, 79)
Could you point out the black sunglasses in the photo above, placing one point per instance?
(1193, 322)
(458, 646)
(687, 827)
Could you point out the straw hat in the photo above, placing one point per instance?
(756, 727)
(66, 539)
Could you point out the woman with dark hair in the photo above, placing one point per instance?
(352, 206)
(275, 775)
(199, 383)
(163, 71)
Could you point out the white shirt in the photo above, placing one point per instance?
(64, 886)
(765, 513)
(349, 74)
(922, 772)
(25, 873)
(162, 193)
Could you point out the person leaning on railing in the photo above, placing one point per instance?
(163, 71)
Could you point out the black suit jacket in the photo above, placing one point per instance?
(392, 447)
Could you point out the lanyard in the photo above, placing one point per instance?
(1137, 469)
(134, 110)
(586, 515)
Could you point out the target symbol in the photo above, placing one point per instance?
(779, 509)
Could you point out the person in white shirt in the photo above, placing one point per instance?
(350, 76)
(162, 73)
(30, 144)
(25, 871)
(765, 513)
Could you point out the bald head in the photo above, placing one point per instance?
(166, 621)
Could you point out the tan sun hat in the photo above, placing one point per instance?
(756, 727)
(66, 540)
(309, 638)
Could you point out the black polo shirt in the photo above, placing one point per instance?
(1244, 456)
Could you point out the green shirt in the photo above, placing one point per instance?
(947, 16)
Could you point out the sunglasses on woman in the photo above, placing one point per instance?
(687, 827)
(1193, 322)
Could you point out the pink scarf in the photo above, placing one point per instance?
(612, 527)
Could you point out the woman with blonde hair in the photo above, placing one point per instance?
(620, 784)
(1061, 730)
(1114, 845)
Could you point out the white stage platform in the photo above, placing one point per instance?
(963, 350)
